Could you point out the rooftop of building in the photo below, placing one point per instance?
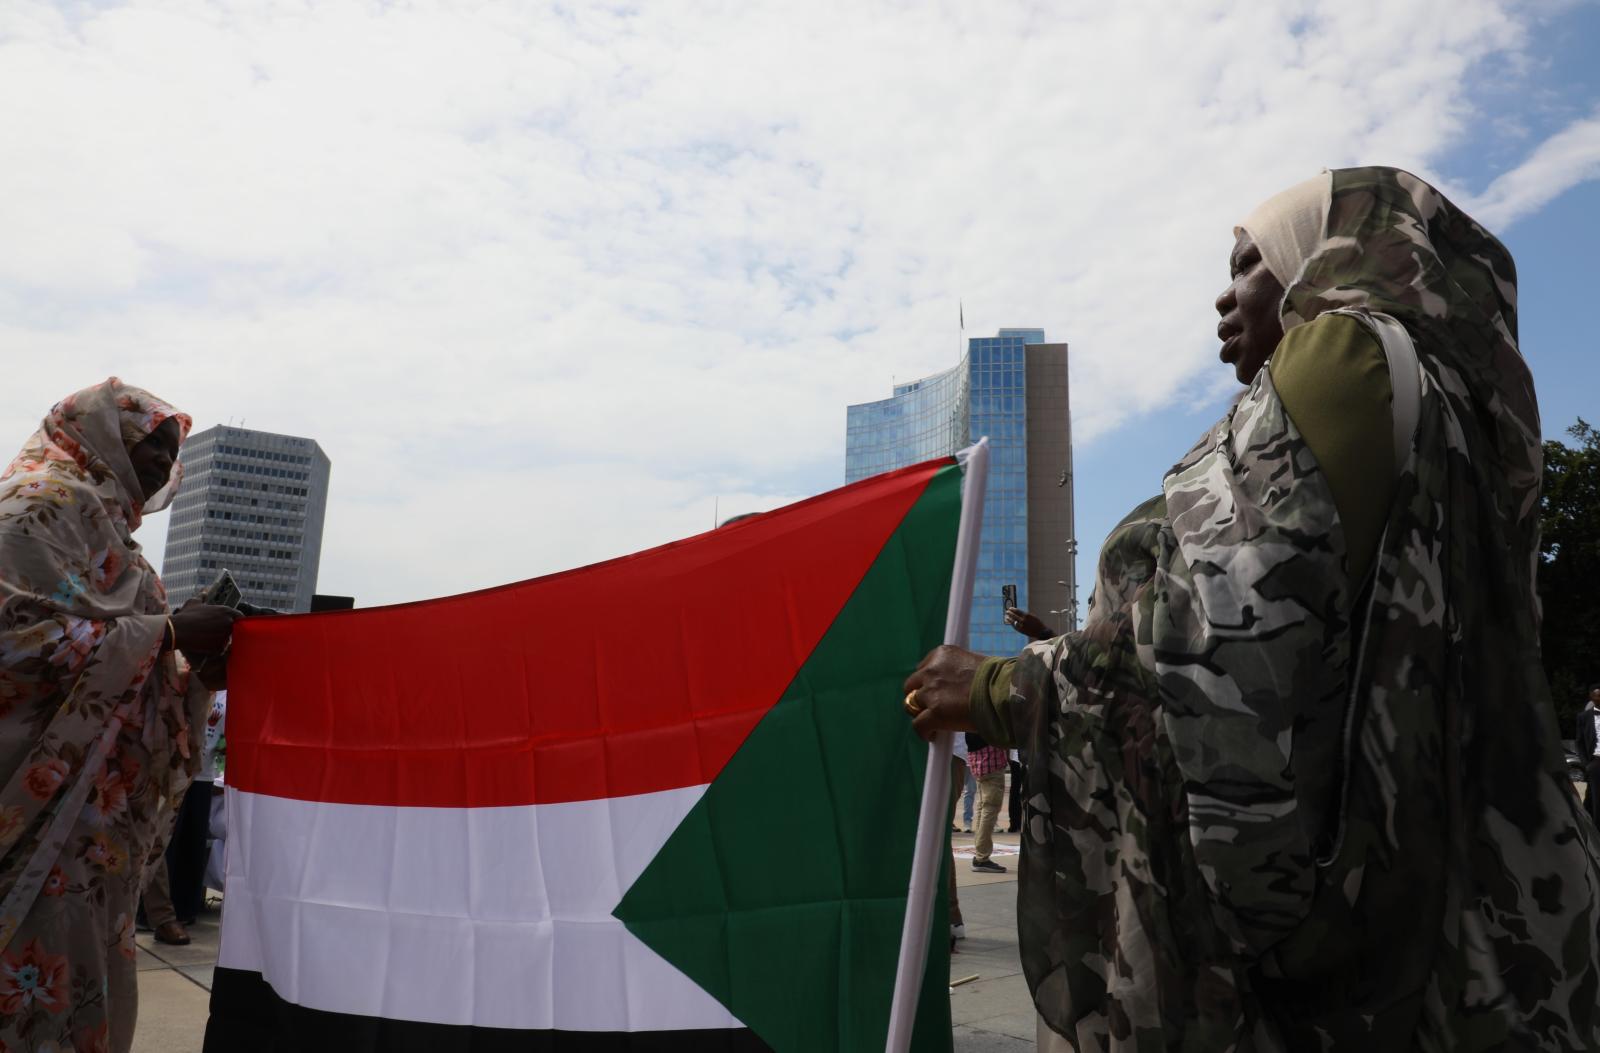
(1026, 335)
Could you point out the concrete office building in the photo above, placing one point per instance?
(1011, 387)
(252, 503)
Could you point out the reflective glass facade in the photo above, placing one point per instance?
(925, 419)
(986, 394)
(997, 409)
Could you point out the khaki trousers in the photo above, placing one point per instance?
(991, 794)
(158, 909)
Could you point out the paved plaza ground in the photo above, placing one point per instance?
(992, 1014)
(175, 989)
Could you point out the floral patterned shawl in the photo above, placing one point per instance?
(1272, 809)
(97, 737)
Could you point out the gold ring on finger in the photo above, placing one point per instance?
(912, 705)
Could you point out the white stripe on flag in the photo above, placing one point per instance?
(494, 917)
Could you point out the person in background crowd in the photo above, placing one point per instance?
(175, 892)
(156, 911)
(1589, 750)
(1304, 785)
(988, 765)
(214, 759)
(1014, 793)
(1034, 628)
(100, 728)
(958, 782)
(216, 762)
(958, 778)
(958, 775)
(1029, 624)
(969, 799)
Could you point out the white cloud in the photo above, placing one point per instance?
(545, 280)
(1569, 157)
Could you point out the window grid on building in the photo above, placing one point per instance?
(252, 503)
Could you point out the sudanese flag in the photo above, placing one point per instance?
(665, 802)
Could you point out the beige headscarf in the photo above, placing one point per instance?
(1287, 228)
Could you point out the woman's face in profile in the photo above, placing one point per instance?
(1250, 327)
(152, 457)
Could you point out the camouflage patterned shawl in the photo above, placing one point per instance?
(1278, 811)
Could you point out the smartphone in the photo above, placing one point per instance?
(1008, 597)
(223, 590)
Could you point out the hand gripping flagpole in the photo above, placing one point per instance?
(934, 819)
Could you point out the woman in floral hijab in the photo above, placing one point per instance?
(1296, 783)
(100, 716)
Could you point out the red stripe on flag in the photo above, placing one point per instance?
(637, 675)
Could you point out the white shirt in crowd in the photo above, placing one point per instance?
(210, 763)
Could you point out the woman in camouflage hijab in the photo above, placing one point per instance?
(1278, 807)
(100, 719)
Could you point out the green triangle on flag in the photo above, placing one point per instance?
(783, 892)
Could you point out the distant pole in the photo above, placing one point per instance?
(716, 506)
(962, 435)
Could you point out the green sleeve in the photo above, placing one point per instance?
(1333, 378)
(990, 701)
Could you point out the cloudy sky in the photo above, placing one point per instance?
(548, 283)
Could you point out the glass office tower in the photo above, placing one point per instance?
(1011, 387)
(252, 502)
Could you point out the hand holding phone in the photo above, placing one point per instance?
(223, 591)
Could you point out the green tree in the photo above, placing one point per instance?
(1569, 569)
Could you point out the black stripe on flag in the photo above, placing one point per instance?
(248, 1016)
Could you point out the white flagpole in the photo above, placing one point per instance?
(934, 819)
